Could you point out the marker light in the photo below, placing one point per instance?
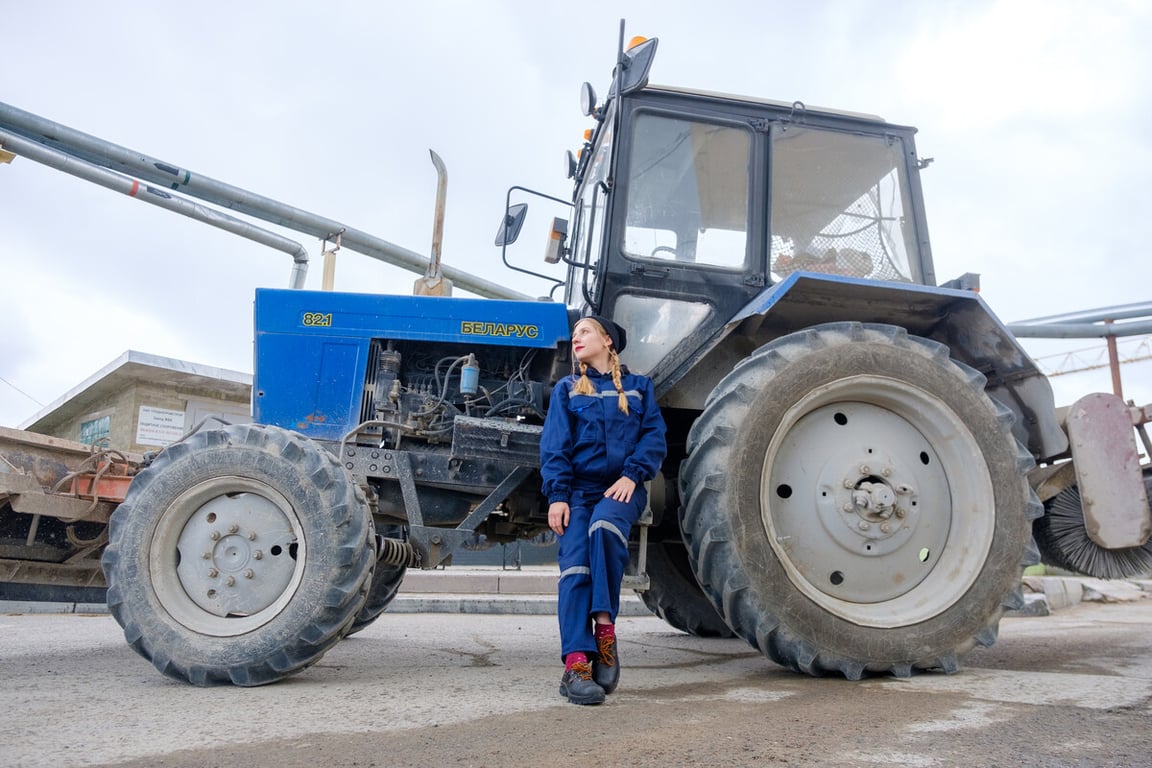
(635, 42)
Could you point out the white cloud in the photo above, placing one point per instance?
(1026, 59)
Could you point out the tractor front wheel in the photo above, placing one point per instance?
(240, 555)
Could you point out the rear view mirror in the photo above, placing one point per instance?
(510, 226)
(637, 62)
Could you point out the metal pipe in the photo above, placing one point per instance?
(1120, 312)
(433, 283)
(158, 197)
(1078, 330)
(438, 216)
(106, 154)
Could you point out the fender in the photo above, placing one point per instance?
(959, 319)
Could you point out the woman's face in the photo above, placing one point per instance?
(589, 342)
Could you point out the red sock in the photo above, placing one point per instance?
(605, 630)
(576, 657)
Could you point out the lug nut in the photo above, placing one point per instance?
(258, 555)
(248, 574)
(252, 536)
(864, 525)
(848, 507)
(885, 528)
(233, 528)
(230, 581)
(206, 556)
(215, 536)
(213, 573)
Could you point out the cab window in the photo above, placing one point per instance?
(688, 192)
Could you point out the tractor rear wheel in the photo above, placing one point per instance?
(855, 503)
(240, 555)
(674, 595)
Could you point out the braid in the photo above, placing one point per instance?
(583, 385)
(623, 399)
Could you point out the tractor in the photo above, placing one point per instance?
(859, 456)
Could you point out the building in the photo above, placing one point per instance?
(141, 402)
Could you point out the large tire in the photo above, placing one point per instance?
(789, 447)
(674, 594)
(241, 555)
(385, 585)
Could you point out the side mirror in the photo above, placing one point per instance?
(637, 62)
(557, 241)
(510, 226)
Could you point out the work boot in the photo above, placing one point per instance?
(606, 665)
(577, 686)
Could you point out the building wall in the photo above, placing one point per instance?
(119, 431)
(125, 409)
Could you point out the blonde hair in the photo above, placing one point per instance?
(584, 386)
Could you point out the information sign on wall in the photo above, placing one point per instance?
(159, 426)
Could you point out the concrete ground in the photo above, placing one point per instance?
(450, 689)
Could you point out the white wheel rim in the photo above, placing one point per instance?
(227, 556)
(877, 501)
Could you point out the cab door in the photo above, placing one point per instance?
(684, 246)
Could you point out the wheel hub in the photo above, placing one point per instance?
(875, 509)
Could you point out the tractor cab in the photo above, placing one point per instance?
(688, 204)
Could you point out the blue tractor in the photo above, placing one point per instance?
(851, 443)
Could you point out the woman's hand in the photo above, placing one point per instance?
(558, 514)
(621, 490)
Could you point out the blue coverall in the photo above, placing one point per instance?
(588, 444)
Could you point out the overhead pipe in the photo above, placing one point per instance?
(1119, 312)
(1079, 330)
(133, 188)
(109, 155)
(1084, 323)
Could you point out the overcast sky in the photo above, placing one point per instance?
(1038, 116)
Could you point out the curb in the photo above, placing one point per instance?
(532, 591)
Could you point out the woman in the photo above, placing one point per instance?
(603, 439)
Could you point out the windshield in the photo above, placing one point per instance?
(840, 205)
(688, 192)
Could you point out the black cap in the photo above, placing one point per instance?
(618, 335)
